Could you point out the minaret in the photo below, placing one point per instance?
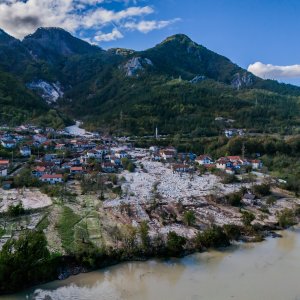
(243, 150)
(156, 133)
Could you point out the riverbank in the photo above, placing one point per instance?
(242, 271)
(62, 267)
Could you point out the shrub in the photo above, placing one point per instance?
(234, 199)
(175, 243)
(262, 190)
(232, 231)
(271, 200)
(16, 210)
(228, 179)
(247, 218)
(286, 218)
(189, 218)
(212, 237)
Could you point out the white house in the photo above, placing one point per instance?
(121, 154)
(204, 160)
(256, 164)
(40, 138)
(3, 171)
(52, 178)
(25, 151)
(8, 144)
(167, 154)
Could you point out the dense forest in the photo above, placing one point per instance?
(177, 86)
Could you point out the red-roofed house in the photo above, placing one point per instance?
(52, 178)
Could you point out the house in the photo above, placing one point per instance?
(3, 171)
(108, 167)
(9, 144)
(39, 171)
(97, 154)
(25, 151)
(52, 178)
(181, 168)
(256, 164)
(153, 149)
(76, 170)
(168, 153)
(204, 160)
(229, 171)
(39, 138)
(60, 147)
(121, 154)
(223, 163)
(229, 133)
(4, 163)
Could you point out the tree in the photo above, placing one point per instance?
(25, 261)
(189, 218)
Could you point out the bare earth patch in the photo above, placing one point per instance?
(30, 198)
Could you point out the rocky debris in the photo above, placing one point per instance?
(50, 92)
(136, 64)
(30, 198)
(242, 80)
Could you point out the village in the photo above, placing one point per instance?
(107, 183)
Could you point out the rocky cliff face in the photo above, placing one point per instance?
(50, 92)
(133, 66)
(242, 80)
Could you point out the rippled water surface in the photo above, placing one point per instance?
(268, 270)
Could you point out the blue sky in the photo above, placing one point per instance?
(246, 31)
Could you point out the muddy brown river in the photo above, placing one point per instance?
(268, 270)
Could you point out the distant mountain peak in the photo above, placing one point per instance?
(181, 38)
(5, 37)
(51, 43)
(48, 31)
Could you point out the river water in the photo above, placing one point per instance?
(267, 270)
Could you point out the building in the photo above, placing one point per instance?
(52, 178)
(39, 171)
(181, 168)
(3, 171)
(25, 151)
(76, 170)
(167, 154)
(223, 163)
(4, 163)
(256, 164)
(204, 160)
(108, 167)
(39, 138)
(8, 144)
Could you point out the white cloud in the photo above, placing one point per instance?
(103, 16)
(269, 71)
(147, 26)
(20, 17)
(107, 37)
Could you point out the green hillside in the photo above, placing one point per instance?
(178, 85)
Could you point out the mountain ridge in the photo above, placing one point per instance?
(165, 84)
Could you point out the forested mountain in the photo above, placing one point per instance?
(178, 85)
